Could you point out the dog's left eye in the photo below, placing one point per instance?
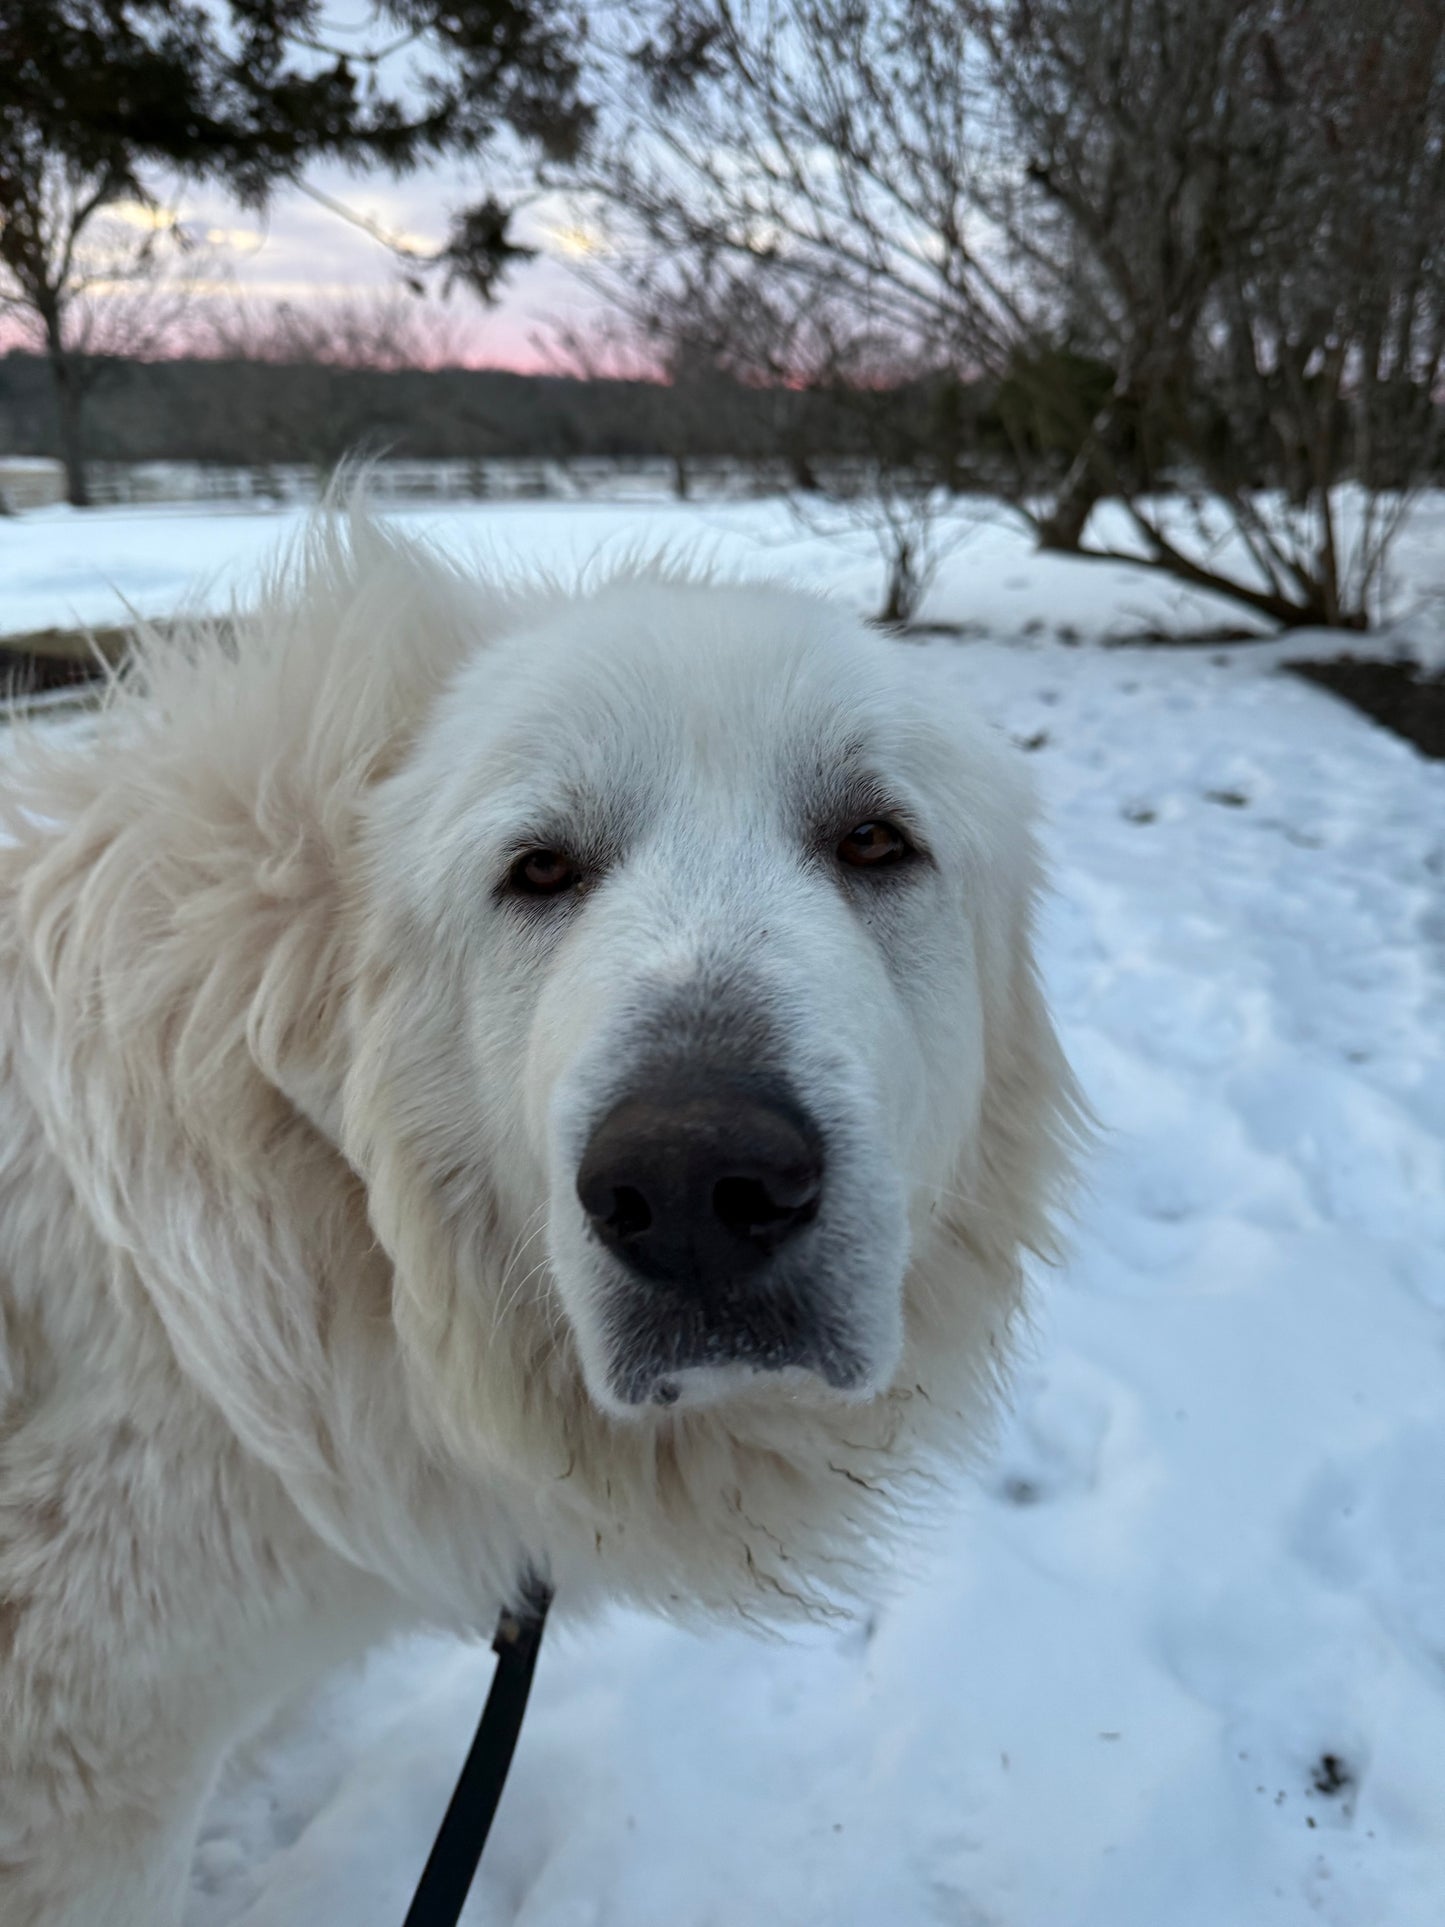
(542, 873)
(874, 845)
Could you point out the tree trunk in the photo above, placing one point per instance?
(800, 468)
(1063, 528)
(69, 401)
(901, 598)
(1311, 611)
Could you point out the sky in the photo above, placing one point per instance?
(301, 251)
(307, 253)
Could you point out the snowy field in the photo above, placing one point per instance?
(60, 567)
(1179, 1660)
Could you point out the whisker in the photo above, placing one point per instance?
(526, 1237)
(526, 1230)
(515, 1296)
(947, 1191)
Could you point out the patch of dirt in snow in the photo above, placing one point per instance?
(1399, 694)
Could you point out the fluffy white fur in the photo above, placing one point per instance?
(300, 1338)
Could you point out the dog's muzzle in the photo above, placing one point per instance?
(704, 1191)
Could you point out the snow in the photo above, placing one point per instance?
(1178, 1659)
(60, 566)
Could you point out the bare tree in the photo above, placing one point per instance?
(88, 275)
(103, 97)
(1236, 208)
(1187, 241)
(679, 390)
(825, 402)
(859, 428)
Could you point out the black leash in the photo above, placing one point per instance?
(451, 1867)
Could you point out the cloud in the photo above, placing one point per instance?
(149, 218)
(298, 251)
(304, 252)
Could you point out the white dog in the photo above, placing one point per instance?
(490, 1080)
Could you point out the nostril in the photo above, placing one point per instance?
(751, 1208)
(630, 1214)
(621, 1210)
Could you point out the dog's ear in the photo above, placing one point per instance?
(1033, 1121)
(358, 1034)
(342, 668)
(295, 1027)
(312, 1085)
(410, 1128)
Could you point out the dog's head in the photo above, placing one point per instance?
(703, 1011)
(596, 1094)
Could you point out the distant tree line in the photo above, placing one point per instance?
(936, 433)
(245, 413)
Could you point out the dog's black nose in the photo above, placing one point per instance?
(698, 1186)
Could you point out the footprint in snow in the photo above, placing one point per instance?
(1370, 1164)
(1296, 1688)
(1054, 1445)
(1374, 1527)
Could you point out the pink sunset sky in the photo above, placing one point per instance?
(300, 251)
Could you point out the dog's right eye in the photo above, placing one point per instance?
(874, 845)
(542, 873)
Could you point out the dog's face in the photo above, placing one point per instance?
(714, 897)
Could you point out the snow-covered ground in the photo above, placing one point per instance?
(1179, 1660)
(60, 566)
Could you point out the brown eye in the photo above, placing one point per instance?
(542, 873)
(874, 845)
